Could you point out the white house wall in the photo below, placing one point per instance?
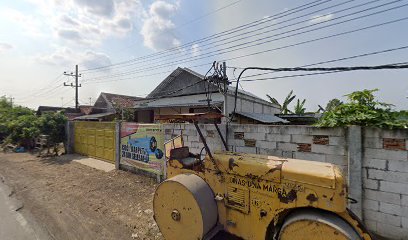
(250, 105)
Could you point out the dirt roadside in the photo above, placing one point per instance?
(73, 201)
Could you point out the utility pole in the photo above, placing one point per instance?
(76, 86)
(11, 101)
(90, 101)
(226, 114)
(225, 80)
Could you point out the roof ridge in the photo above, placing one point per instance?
(115, 94)
(166, 81)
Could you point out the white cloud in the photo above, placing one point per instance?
(68, 21)
(79, 22)
(195, 50)
(321, 18)
(30, 25)
(61, 57)
(157, 30)
(95, 59)
(124, 23)
(64, 56)
(70, 34)
(5, 47)
(104, 8)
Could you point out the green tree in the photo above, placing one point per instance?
(332, 104)
(299, 107)
(18, 124)
(128, 114)
(23, 130)
(364, 110)
(53, 125)
(284, 107)
(123, 111)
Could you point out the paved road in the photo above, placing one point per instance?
(13, 225)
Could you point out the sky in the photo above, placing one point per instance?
(129, 46)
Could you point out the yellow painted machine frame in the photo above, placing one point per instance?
(255, 193)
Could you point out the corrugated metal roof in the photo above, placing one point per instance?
(264, 118)
(173, 81)
(181, 101)
(94, 116)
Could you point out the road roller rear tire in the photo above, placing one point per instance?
(317, 225)
(184, 208)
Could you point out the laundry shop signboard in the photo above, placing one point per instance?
(141, 147)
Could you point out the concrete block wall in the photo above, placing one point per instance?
(301, 142)
(385, 182)
(191, 137)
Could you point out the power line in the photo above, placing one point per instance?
(174, 91)
(319, 39)
(28, 98)
(283, 47)
(223, 33)
(210, 13)
(231, 40)
(333, 60)
(397, 66)
(65, 104)
(402, 65)
(324, 70)
(257, 42)
(278, 16)
(39, 91)
(289, 76)
(195, 20)
(214, 53)
(88, 81)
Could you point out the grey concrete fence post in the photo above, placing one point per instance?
(69, 141)
(354, 142)
(117, 141)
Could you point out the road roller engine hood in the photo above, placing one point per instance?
(294, 181)
(275, 169)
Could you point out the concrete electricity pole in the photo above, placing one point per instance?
(76, 86)
(11, 101)
(225, 80)
(226, 114)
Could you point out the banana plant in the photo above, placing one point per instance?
(284, 107)
(299, 107)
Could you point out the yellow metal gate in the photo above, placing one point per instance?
(95, 139)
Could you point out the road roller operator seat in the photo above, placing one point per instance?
(183, 155)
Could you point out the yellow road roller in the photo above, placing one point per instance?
(253, 197)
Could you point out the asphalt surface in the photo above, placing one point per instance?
(13, 224)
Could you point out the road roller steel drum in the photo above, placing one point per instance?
(185, 204)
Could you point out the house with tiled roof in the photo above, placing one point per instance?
(70, 113)
(109, 101)
(108, 105)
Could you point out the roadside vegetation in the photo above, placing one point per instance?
(363, 109)
(20, 126)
